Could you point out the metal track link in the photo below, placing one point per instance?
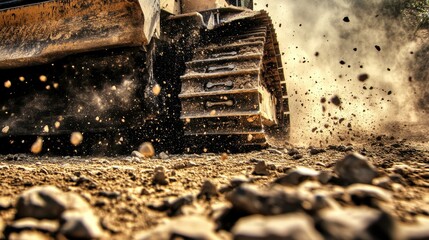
(234, 84)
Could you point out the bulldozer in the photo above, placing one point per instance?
(171, 72)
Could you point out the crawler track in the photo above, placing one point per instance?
(234, 86)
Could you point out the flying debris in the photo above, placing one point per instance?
(147, 149)
(363, 77)
(156, 89)
(7, 84)
(5, 130)
(76, 138)
(43, 78)
(37, 146)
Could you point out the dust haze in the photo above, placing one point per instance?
(346, 67)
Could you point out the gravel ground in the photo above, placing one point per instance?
(378, 190)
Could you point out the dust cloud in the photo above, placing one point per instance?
(82, 102)
(109, 97)
(346, 68)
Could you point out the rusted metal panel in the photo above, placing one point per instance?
(43, 32)
(201, 5)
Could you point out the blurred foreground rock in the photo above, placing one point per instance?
(363, 193)
(297, 176)
(355, 168)
(48, 202)
(294, 226)
(416, 231)
(49, 210)
(186, 227)
(80, 225)
(253, 200)
(356, 223)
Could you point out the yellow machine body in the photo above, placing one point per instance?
(42, 32)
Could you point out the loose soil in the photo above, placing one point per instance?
(122, 193)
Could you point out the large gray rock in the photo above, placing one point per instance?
(261, 168)
(355, 168)
(80, 225)
(356, 223)
(295, 226)
(277, 200)
(186, 227)
(47, 202)
(297, 176)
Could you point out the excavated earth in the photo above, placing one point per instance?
(375, 190)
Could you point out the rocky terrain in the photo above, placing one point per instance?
(376, 190)
(352, 67)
